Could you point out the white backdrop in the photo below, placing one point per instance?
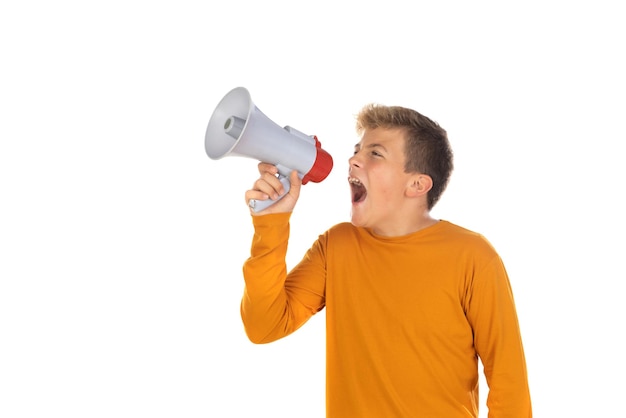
(121, 242)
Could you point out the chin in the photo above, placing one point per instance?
(356, 218)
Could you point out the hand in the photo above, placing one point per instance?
(269, 186)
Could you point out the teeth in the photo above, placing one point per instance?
(353, 180)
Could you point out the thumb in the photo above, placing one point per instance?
(296, 183)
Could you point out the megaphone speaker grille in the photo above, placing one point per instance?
(228, 122)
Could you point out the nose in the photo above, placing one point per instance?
(354, 161)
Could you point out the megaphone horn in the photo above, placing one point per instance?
(238, 128)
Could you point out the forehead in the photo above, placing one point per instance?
(392, 138)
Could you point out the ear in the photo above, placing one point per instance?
(419, 185)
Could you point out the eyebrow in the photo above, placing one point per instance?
(374, 145)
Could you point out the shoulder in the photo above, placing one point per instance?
(343, 233)
(466, 239)
(459, 232)
(341, 230)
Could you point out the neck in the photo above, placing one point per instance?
(417, 223)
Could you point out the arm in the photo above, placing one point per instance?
(498, 341)
(275, 304)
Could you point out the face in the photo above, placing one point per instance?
(377, 179)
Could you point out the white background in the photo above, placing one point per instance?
(121, 242)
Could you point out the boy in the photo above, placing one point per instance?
(411, 301)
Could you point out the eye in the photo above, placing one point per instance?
(376, 153)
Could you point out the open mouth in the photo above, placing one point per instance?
(358, 190)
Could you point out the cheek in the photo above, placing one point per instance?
(387, 186)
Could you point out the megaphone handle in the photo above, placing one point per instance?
(259, 205)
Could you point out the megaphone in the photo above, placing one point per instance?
(238, 128)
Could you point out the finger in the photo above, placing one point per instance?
(267, 168)
(255, 195)
(296, 183)
(270, 184)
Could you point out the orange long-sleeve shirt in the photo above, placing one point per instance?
(406, 318)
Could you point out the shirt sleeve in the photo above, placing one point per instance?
(498, 342)
(276, 303)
